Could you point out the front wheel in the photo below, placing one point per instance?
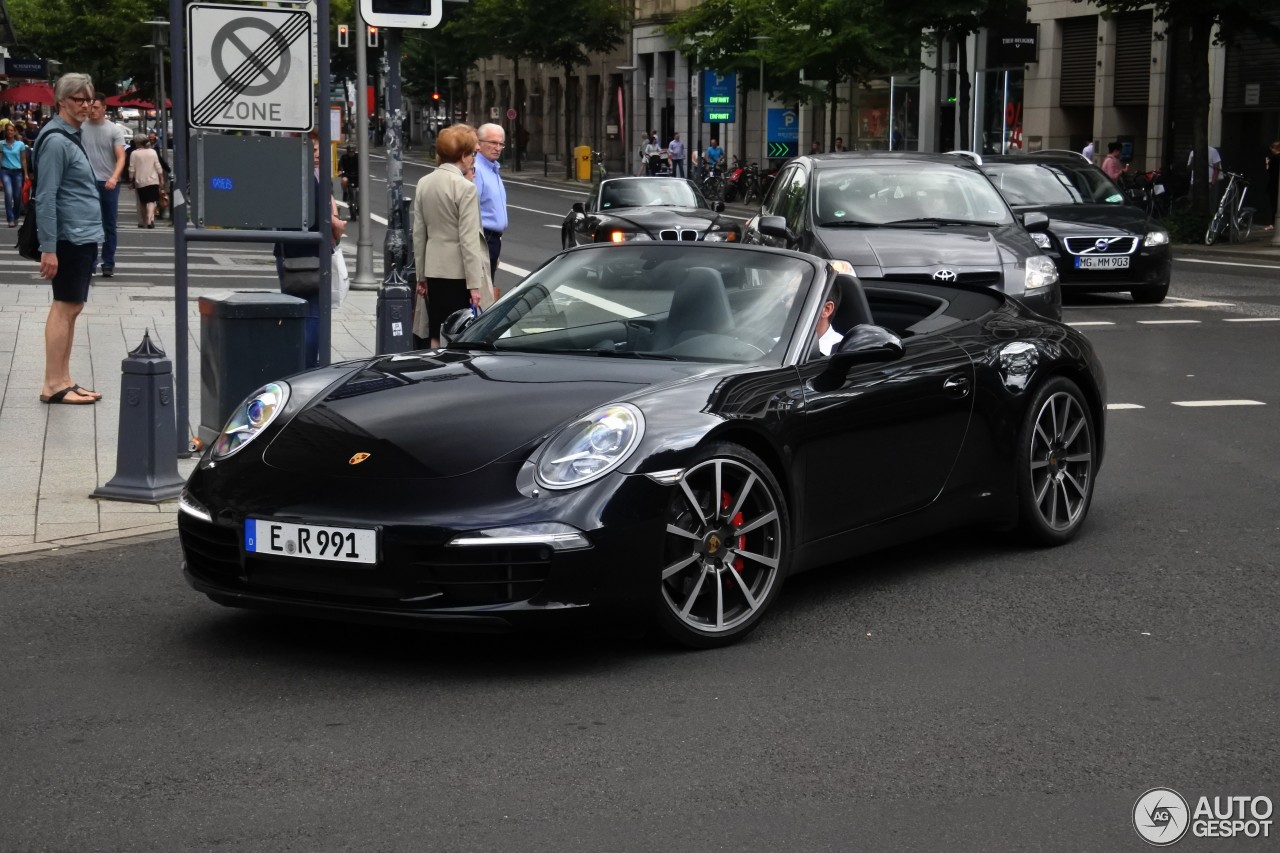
(726, 549)
(1243, 226)
(1057, 461)
(1151, 294)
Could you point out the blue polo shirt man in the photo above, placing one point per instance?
(493, 195)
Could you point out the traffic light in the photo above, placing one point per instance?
(435, 96)
(403, 14)
(344, 35)
(373, 37)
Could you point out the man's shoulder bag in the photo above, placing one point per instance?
(28, 234)
(301, 276)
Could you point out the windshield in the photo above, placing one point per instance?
(646, 192)
(1033, 184)
(673, 302)
(899, 192)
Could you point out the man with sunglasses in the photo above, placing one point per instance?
(493, 195)
(69, 224)
(104, 142)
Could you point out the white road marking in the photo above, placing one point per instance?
(1252, 320)
(503, 265)
(552, 225)
(532, 210)
(1116, 406)
(1191, 404)
(1181, 302)
(607, 304)
(1228, 263)
(1168, 322)
(1083, 323)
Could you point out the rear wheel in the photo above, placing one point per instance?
(1056, 465)
(1215, 228)
(726, 550)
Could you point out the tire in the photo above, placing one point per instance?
(1211, 233)
(1243, 227)
(727, 523)
(1151, 294)
(1057, 464)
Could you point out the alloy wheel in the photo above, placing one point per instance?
(1061, 461)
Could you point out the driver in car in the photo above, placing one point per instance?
(825, 335)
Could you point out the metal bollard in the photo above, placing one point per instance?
(395, 319)
(146, 466)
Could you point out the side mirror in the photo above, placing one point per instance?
(579, 207)
(455, 324)
(775, 226)
(717, 206)
(1035, 222)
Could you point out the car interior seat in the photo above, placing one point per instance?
(853, 308)
(699, 306)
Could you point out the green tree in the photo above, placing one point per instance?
(1196, 19)
(104, 40)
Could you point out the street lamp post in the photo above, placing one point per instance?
(449, 108)
(626, 70)
(160, 40)
(764, 108)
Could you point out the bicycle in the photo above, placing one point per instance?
(751, 187)
(1231, 217)
(712, 183)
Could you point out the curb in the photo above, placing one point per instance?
(89, 542)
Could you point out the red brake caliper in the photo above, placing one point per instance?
(738, 562)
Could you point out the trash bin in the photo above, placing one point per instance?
(247, 339)
(582, 156)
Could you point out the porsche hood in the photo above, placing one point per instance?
(425, 416)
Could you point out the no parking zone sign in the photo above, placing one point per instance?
(249, 68)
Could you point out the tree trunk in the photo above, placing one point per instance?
(1201, 196)
(833, 106)
(568, 123)
(962, 89)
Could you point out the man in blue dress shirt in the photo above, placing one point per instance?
(493, 195)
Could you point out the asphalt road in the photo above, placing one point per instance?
(960, 694)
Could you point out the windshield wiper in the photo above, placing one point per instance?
(469, 345)
(940, 220)
(608, 353)
(849, 223)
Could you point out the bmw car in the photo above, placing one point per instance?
(908, 217)
(1097, 238)
(646, 436)
(621, 210)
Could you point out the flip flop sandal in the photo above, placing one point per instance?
(61, 398)
(85, 392)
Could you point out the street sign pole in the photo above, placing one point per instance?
(364, 243)
(396, 255)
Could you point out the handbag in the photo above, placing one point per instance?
(339, 278)
(301, 276)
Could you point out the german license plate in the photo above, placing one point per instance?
(311, 541)
(1119, 262)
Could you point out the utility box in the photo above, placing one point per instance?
(582, 156)
(247, 339)
(395, 319)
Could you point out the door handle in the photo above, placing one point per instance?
(957, 385)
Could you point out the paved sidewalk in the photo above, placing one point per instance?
(55, 456)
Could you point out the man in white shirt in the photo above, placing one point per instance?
(826, 334)
(1090, 150)
(104, 142)
(1215, 166)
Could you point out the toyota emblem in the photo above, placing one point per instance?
(945, 275)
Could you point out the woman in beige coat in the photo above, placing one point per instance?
(146, 173)
(448, 244)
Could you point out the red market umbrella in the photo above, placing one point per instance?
(28, 93)
(131, 99)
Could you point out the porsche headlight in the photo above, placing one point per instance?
(250, 418)
(616, 236)
(1158, 237)
(1041, 239)
(590, 447)
(1040, 272)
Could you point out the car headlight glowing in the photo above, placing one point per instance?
(1157, 238)
(590, 447)
(616, 236)
(250, 418)
(1040, 272)
(1041, 239)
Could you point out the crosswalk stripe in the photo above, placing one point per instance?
(1117, 406)
(1195, 404)
(1168, 322)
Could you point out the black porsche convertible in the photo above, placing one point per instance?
(623, 210)
(646, 434)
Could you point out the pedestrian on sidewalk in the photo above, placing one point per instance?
(1272, 164)
(146, 174)
(104, 142)
(69, 225)
(1111, 163)
(675, 150)
(493, 195)
(13, 168)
